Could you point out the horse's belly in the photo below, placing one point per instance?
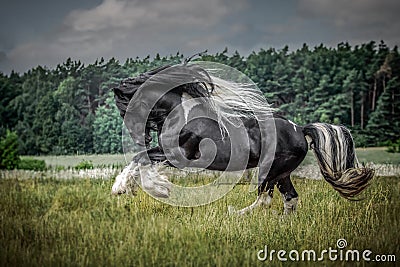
(233, 157)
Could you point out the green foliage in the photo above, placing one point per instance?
(84, 165)
(70, 109)
(107, 128)
(9, 157)
(10, 88)
(360, 138)
(393, 147)
(385, 120)
(32, 164)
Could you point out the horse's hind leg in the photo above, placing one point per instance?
(289, 194)
(264, 198)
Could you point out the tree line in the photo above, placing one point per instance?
(70, 109)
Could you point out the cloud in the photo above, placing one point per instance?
(120, 14)
(131, 28)
(123, 28)
(356, 19)
(3, 56)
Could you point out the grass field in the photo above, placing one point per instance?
(71, 161)
(366, 155)
(51, 222)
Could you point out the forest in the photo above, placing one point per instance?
(69, 109)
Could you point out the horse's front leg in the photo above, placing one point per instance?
(125, 181)
(150, 156)
(142, 167)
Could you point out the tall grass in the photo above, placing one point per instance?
(50, 222)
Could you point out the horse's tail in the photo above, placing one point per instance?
(333, 147)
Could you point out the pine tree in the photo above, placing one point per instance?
(107, 128)
(9, 157)
(384, 123)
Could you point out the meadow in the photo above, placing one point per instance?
(366, 155)
(48, 221)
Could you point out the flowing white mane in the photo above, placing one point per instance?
(233, 101)
(239, 99)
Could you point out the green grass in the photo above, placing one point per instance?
(375, 154)
(48, 222)
(73, 160)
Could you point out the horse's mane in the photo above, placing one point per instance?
(239, 99)
(200, 87)
(228, 99)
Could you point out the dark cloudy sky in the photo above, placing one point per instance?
(46, 32)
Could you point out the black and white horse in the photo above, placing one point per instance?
(207, 122)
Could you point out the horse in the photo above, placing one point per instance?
(207, 122)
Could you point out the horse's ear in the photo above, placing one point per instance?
(188, 59)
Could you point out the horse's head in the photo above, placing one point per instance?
(151, 96)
